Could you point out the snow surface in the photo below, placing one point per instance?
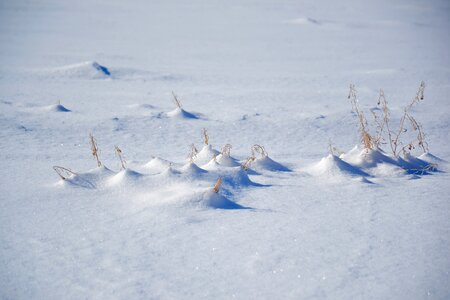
(300, 224)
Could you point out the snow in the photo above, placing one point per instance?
(302, 222)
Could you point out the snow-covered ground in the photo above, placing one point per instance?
(301, 223)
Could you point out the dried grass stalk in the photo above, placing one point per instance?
(205, 136)
(119, 154)
(366, 138)
(226, 150)
(248, 162)
(217, 185)
(176, 100)
(258, 149)
(192, 153)
(64, 173)
(94, 149)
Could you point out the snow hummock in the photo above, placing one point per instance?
(266, 163)
(334, 166)
(367, 158)
(125, 177)
(92, 178)
(56, 108)
(205, 155)
(227, 161)
(210, 199)
(84, 70)
(157, 165)
(180, 113)
(192, 170)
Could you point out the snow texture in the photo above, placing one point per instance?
(298, 224)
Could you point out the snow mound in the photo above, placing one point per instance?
(268, 164)
(84, 70)
(213, 165)
(205, 155)
(227, 161)
(334, 166)
(210, 199)
(380, 163)
(192, 170)
(124, 177)
(169, 173)
(179, 113)
(157, 165)
(238, 178)
(56, 108)
(368, 158)
(92, 178)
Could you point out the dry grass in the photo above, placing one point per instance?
(216, 188)
(258, 149)
(64, 173)
(94, 149)
(205, 137)
(248, 163)
(119, 154)
(192, 153)
(384, 134)
(176, 100)
(226, 150)
(366, 138)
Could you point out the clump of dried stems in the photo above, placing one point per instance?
(256, 149)
(64, 173)
(176, 100)
(226, 150)
(94, 149)
(192, 153)
(216, 188)
(383, 129)
(205, 137)
(366, 138)
(119, 154)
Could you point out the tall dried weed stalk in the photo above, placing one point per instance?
(205, 137)
(176, 100)
(119, 154)
(94, 149)
(384, 134)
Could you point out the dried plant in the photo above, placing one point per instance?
(383, 131)
(120, 156)
(366, 138)
(258, 149)
(226, 150)
(394, 139)
(64, 173)
(248, 162)
(216, 188)
(176, 100)
(420, 134)
(332, 149)
(94, 149)
(192, 153)
(205, 136)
